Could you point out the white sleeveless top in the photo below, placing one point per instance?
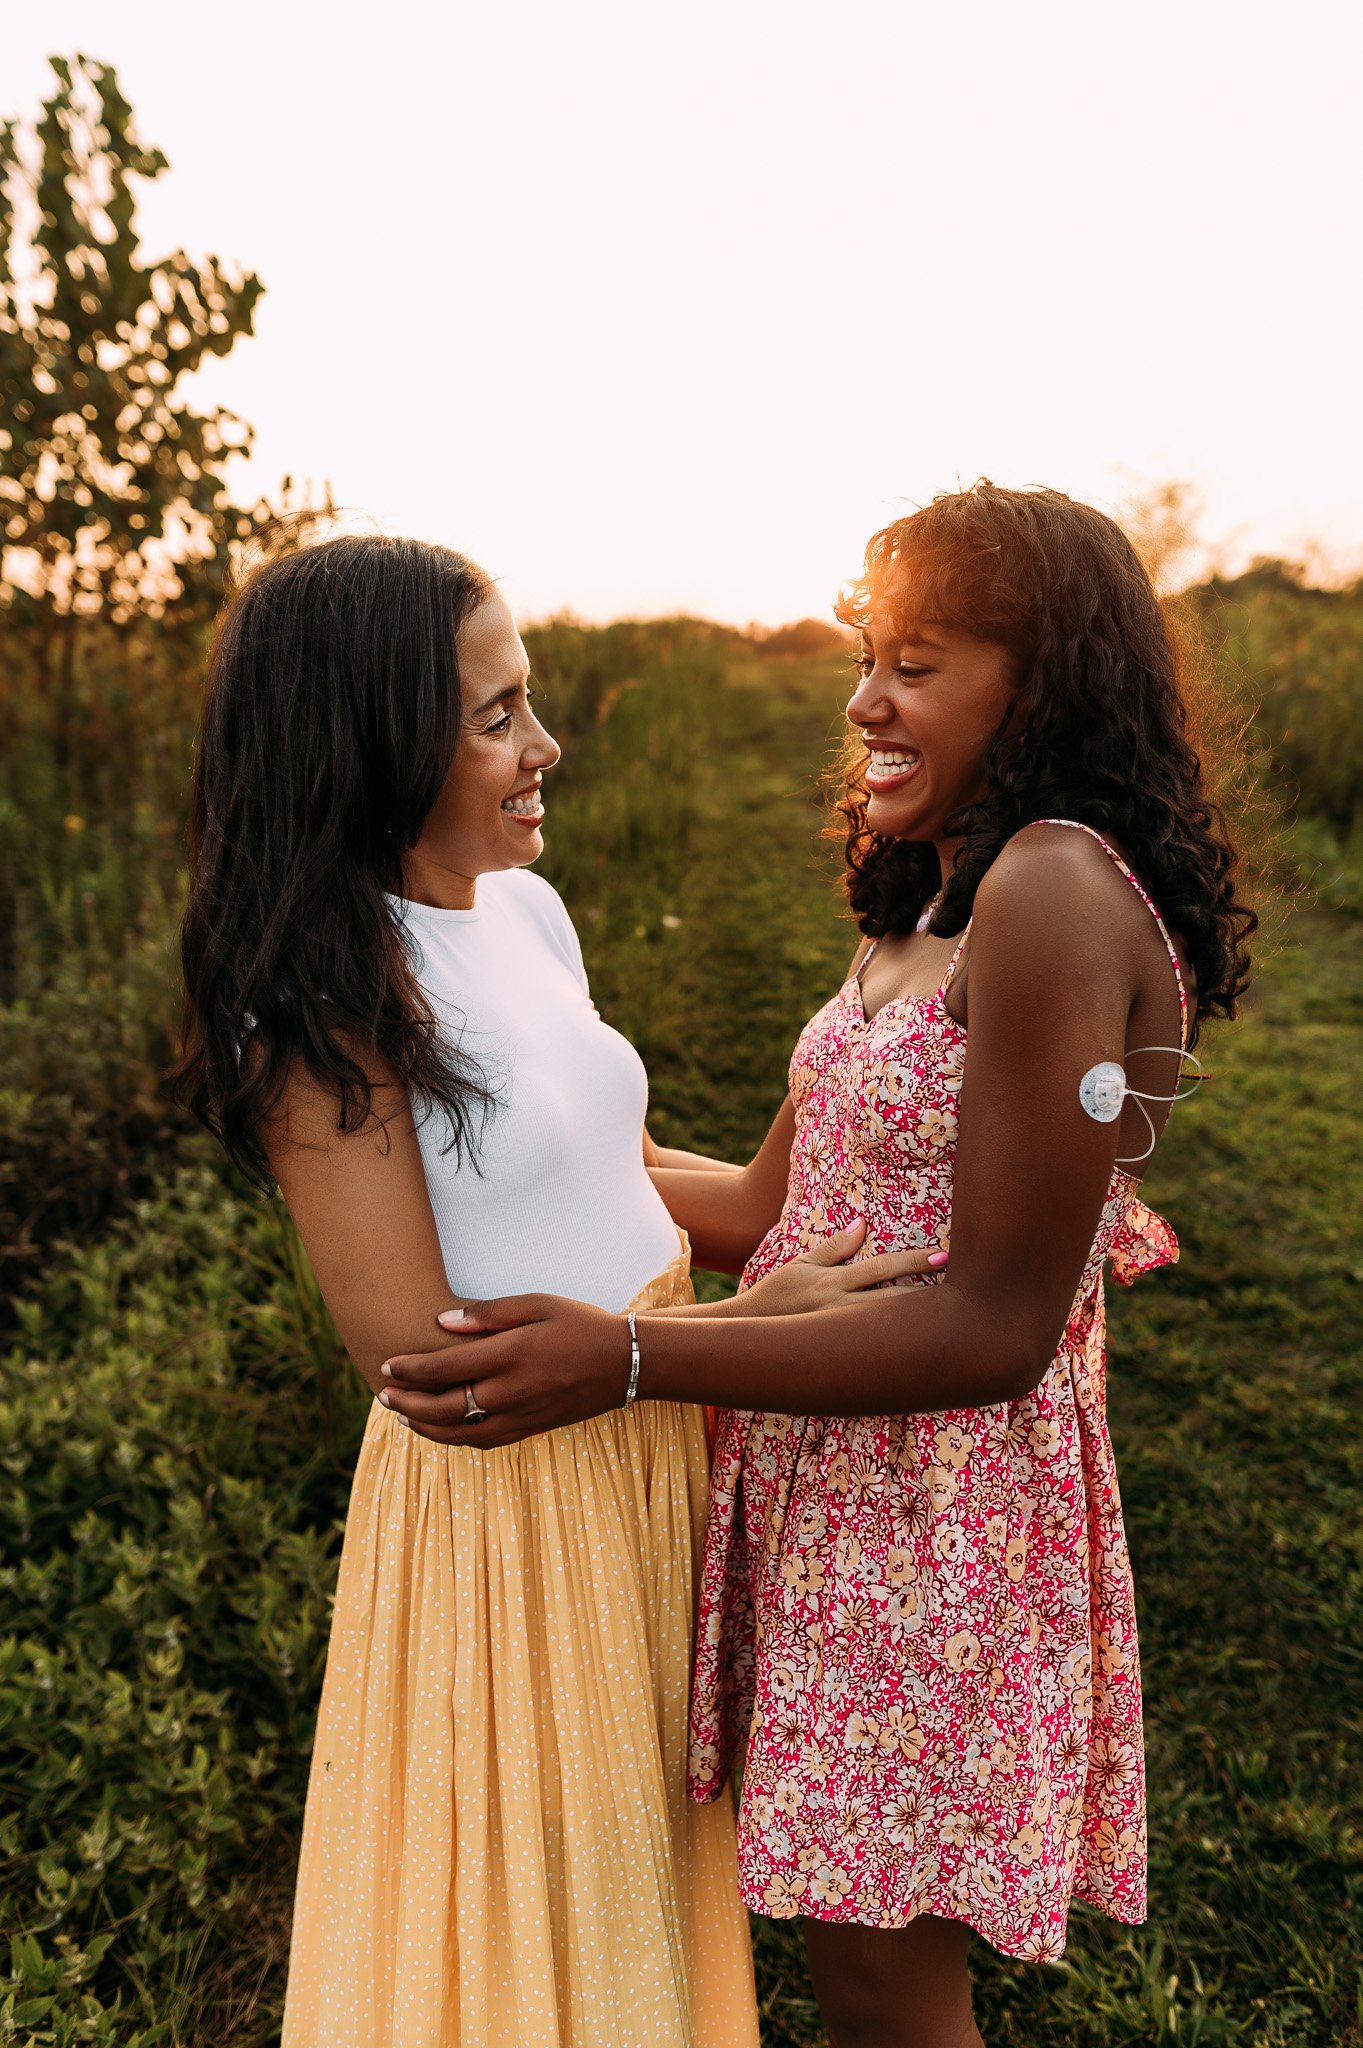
(560, 1201)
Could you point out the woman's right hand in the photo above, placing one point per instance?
(826, 1277)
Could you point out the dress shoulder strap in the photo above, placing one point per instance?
(1074, 825)
(954, 961)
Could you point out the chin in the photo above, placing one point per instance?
(896, 820)
(529, 850)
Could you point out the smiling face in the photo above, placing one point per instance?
(488, 814)
(927, 706)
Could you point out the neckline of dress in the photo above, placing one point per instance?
(852, 989)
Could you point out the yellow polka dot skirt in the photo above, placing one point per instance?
(498, 1850)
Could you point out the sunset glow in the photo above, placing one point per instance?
(654, 310)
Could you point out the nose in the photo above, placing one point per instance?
(868, 704)
(541, 750)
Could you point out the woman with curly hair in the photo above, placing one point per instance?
(917, 1619)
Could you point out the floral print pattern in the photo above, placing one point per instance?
(919, 1630)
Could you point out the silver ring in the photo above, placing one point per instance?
(472, 1412)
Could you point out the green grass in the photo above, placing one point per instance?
(175, 1425)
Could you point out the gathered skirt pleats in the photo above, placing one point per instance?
(498, 1850)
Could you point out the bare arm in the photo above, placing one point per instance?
(1056, 962)
(727, 1222)
(699, 1162)
(359, 1201)
(694, 1162)
(727, 1214)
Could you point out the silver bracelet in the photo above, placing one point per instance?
(632, 1390)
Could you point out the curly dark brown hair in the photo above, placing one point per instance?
(1099, 732)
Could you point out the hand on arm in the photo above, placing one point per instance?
(429, 1388)
(828, 1276)
(1051, 989)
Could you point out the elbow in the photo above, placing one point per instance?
(995, 1381)
(1015, 1377)
(1014, 1359)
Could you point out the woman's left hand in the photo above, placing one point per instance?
(830, 1275)
(534, 1362)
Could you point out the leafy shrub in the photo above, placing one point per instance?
(1324, 861)
(1298, 657)
(84, 1120)
(169, 1520)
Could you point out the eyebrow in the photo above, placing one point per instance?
(916, 638)
(511, 690)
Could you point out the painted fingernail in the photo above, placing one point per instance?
(449, 1317)
(937, 1259)
(385, 1399)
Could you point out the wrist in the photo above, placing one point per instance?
(670, 1350)
(635, 1360)
(758, 1363)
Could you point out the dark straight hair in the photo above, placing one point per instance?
(330, 720)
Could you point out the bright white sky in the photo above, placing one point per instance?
(653, 308)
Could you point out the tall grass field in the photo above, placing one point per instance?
(177, 1422)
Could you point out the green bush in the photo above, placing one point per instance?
(85, 1122)
(169, 1519)
(1297, 654)
(1326, 862)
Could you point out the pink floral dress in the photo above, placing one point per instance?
(921, 1628)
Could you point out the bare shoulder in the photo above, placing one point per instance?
(1054, 911)
(1050, 878)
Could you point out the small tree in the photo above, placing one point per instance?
(112, 499)
(112, 490)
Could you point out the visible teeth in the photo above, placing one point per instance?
(885, 762)
(524, 805)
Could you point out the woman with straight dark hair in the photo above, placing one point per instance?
(917, 1614)
(387, 1016)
